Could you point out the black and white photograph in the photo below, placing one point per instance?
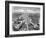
(25, 19)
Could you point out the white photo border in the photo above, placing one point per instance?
(25, 32)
